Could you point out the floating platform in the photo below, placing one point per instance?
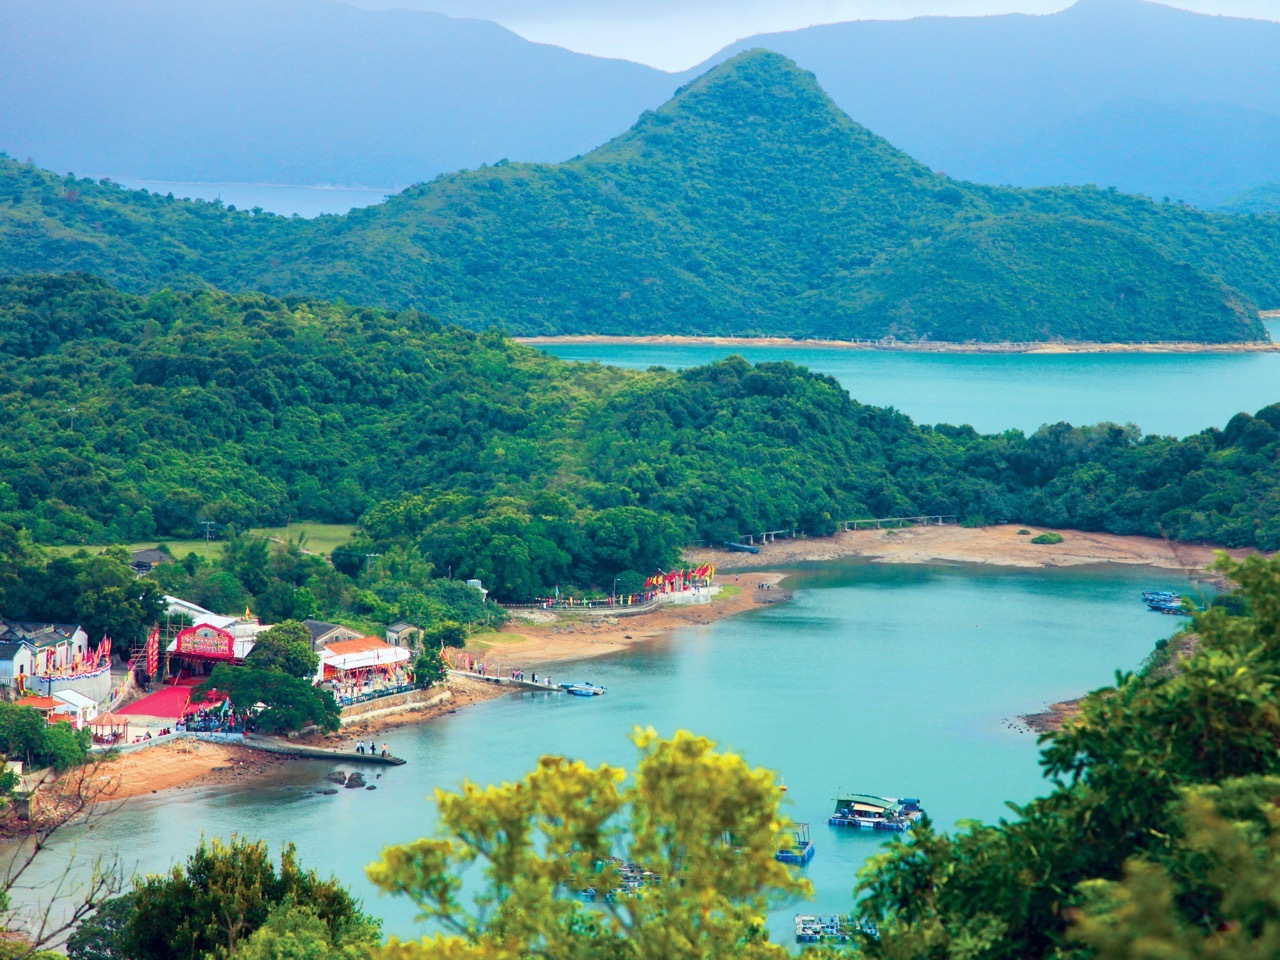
(865, 811)
(800, 849)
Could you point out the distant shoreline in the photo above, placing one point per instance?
(917, 346)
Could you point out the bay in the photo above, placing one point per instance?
(1172, 394)
(897, 680)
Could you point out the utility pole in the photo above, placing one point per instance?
(208, 526)
(72, 411)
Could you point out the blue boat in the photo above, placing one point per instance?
(740, 547)
(801, 848)
(582, 689)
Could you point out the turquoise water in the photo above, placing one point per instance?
(1177, 394)
(890, 679)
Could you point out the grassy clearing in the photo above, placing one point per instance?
(321, 538)
(479, 642)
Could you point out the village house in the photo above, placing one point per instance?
(28, 648)
(403, 634)
(144, 561)
(323, 634)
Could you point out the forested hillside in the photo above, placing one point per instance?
(132, 418)
(749, 204)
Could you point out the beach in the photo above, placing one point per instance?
(1000, 545)
(536, 640)
(918, 346)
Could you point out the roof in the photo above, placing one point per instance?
(151, 556)
(39, 703)
(178, 605)
(400, 626)
(9, 649)
(110, 720)
(866, 799)
(361, 645)
(319, 628)
(40, 633)
(75, 699)
(362, 653)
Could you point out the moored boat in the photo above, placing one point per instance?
(582, 689)
(869, 812)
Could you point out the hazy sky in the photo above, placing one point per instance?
(675, 34)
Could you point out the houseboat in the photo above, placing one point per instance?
(869, 812)
(800, 849)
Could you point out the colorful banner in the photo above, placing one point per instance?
(153, 651)
(208, 642)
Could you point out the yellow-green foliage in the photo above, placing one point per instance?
(702, 820)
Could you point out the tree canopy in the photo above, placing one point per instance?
(468, 455)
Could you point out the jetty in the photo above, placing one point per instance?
(507, 681)
(287, 749)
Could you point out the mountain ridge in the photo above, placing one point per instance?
(748, 204)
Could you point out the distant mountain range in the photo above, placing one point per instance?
(1123, 93)
(1120, 93)
(749, 204)
(295, 91)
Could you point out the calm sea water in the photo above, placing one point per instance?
(1176, 394)
(889, 679)
(284, 199)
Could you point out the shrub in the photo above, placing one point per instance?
(1047, 538)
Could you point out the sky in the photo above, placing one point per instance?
(677, 34)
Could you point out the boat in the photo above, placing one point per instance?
(869, 812)
(1166, 601)
(811, 928)
(582, 689)
(740, 547)
(800, 849)
(625, 878)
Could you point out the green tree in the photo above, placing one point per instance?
(292, 703)
(705, 824)
(297, 932)
(62, 747)
(100, 936)
(223, 894)
(1224, 865)
(286, 647)
(429, 669)
(446, 633)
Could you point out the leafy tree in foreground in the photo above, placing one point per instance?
(286, 647)
(1224, 867)
(224, 894)
(1121, 771)
(703, 821)
(292, 703)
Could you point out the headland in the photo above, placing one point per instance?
(922, 346)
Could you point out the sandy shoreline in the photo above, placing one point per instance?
(1253, 346)
(996, 545)
(546, 638)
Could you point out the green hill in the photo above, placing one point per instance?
(748, 204)
(130, 418)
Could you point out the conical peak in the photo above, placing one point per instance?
(750, 79)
